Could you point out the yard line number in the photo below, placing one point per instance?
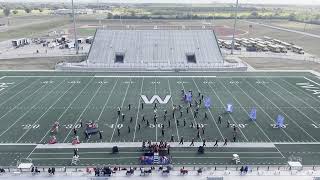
(239, 125)
(30, 126)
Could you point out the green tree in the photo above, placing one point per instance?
(132, 13)
(15, 11)
(27, 10)
(255, 14)
(110, 15)
(292, 16)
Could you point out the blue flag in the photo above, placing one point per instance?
(207, 102)
(229, 108)
(253, 114)
(189, 97)
(280, 121)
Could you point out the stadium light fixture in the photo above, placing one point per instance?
(234, 26)
(76, 46)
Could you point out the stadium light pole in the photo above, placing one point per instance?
(234, 26)
(74, 29)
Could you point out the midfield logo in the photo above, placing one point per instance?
(156, 97)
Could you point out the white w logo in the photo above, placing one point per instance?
(155, 97)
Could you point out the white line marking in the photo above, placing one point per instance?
(223, 104)
(281, 111)
(260, 107)
(312, 81)
(68, 107)
(2, 77)
(194, 119)
(301, 91)
(290, 104)
(296, 97)
(32, 151)
(105, 104)
(45, 111)
(279, 152)
(175, 120)
(244, 109)
(30, 108)
(213, 119)
(94, 95)
(114, 129)
(18, 92)
(137, 116)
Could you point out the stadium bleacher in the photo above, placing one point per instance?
(147, 50)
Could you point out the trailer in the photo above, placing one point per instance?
(20, 42)
(81, 40)
(274, 48)
(297, 49)
(89, 40)
(262, 47)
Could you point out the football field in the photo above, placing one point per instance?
(31, 102)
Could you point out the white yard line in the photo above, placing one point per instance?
(290, 104)
(124, 98)
(105, 104)
(301, 100)
(264, 112)
(45, 111)
(312, 81)
(301, 91)
(213, 119)
(175, 120)
(11, 87)
(84, 110)
(279, 152)
(32, 151)
(138, 106)
(282, 111)
(245, 110)
(2, 77)
(68, 107)
(229, 115)
(34, 105)
(191, 110)
(18, 92)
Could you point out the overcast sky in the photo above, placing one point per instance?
(297, 2)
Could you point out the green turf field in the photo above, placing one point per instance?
(30, 102)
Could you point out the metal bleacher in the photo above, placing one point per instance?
(148, 50)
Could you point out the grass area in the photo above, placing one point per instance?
(32, 102)
(34, 30)
(86, 31)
